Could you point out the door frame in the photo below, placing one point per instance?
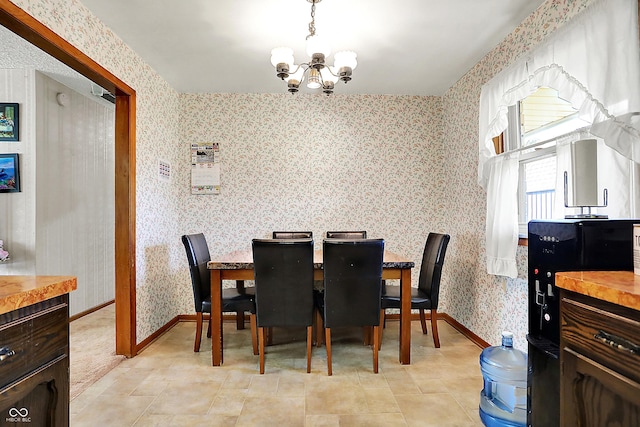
(30, 29)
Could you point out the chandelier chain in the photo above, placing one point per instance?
(312, 24)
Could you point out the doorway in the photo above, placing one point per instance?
(25, 26)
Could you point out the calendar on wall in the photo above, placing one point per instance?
(205, 168)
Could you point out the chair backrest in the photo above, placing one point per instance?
(431, 268)
(352, 281)
(346, 234)
(283, 272)
(292, 235)
(198, 256)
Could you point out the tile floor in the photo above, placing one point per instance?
(169, 385)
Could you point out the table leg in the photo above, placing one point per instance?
(216, 318)
(405, 316)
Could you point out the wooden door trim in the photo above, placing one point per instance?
(30, 29)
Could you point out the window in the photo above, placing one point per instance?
(535, 123)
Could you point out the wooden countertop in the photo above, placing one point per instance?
(20, 291)
(617, 287)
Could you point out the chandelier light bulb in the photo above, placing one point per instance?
(314, 79)
(345, 58)
(280, 55)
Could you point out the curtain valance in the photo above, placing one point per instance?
(593, 62)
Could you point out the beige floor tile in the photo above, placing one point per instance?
(344, 399)
(228, 403)
(116, 411)
(154, 421)
(264, 385)
(291, 386)
(272, 411)
(436, 409)
(184, 398)
(380, 400)
(168, 384)
(373, 420)
(322, 421)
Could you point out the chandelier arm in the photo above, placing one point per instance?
(296, 70)
(332, 73)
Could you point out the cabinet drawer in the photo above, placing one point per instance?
(34, 339)
(609, 334)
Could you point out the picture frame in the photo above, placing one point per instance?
(9, 121)
(9, 173)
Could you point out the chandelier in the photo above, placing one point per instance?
(316, 72)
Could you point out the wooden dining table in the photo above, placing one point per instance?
(239, 266)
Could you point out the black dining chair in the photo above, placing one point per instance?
(287, 235)
(283, 273)
(426, 295)
(352, 288)
(338, 235)
(292, 235)
(346, 234)
(238, 300)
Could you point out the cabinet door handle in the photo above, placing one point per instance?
(617, 342)
(6, 352)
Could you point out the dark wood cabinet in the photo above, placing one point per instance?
(34, 364)
(600, 363)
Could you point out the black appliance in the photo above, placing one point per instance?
(563, 245)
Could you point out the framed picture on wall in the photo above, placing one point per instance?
(9, 122)
(9, 173)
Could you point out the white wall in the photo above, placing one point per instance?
(75, 212)
(17, 210)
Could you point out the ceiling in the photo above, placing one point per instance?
(17, 53)
(404, 47)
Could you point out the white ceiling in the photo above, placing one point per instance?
(404, 47)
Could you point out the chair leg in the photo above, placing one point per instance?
(239, 320)
(376, 346)
(309, 341)
(423, 321)
(269, 335)
(383, 318)
(196, 344)
(319, 328)
(209, 328)
(221, 338)
(380, 329)
(261, 343)
(327, 342)
(254, 333)
(366, 332)
(434, 328)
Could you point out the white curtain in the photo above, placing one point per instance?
(594, 63)
(503, 181)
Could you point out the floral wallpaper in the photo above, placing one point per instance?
(485, 304)
(312, 162)
(158, 203)
(398, 167)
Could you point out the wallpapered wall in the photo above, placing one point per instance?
(486, 304)
(396, 166)
(158, 263)
(312, 162)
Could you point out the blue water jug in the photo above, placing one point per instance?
(503, 400)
